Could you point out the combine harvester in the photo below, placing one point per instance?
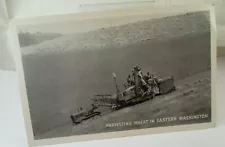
(139, 91)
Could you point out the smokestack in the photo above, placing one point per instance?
(117, 88)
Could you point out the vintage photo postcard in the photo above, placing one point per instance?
(116, 73)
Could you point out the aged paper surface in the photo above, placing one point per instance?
(74, 84)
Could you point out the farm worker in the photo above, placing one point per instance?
(150, 81)
(144, 85)
(154, 83)
(129, 80)
(140, 75)
(147, 76)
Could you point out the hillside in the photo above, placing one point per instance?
(116, 36)
(60, 82)
(27, 39)
(191, 98)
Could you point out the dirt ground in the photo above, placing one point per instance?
(192, 97)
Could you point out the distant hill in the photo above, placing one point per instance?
(27, 39)
(155, 29)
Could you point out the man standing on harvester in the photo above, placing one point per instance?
(144, 84)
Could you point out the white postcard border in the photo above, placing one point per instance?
(111, 13)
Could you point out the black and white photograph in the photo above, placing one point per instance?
(117, 74)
